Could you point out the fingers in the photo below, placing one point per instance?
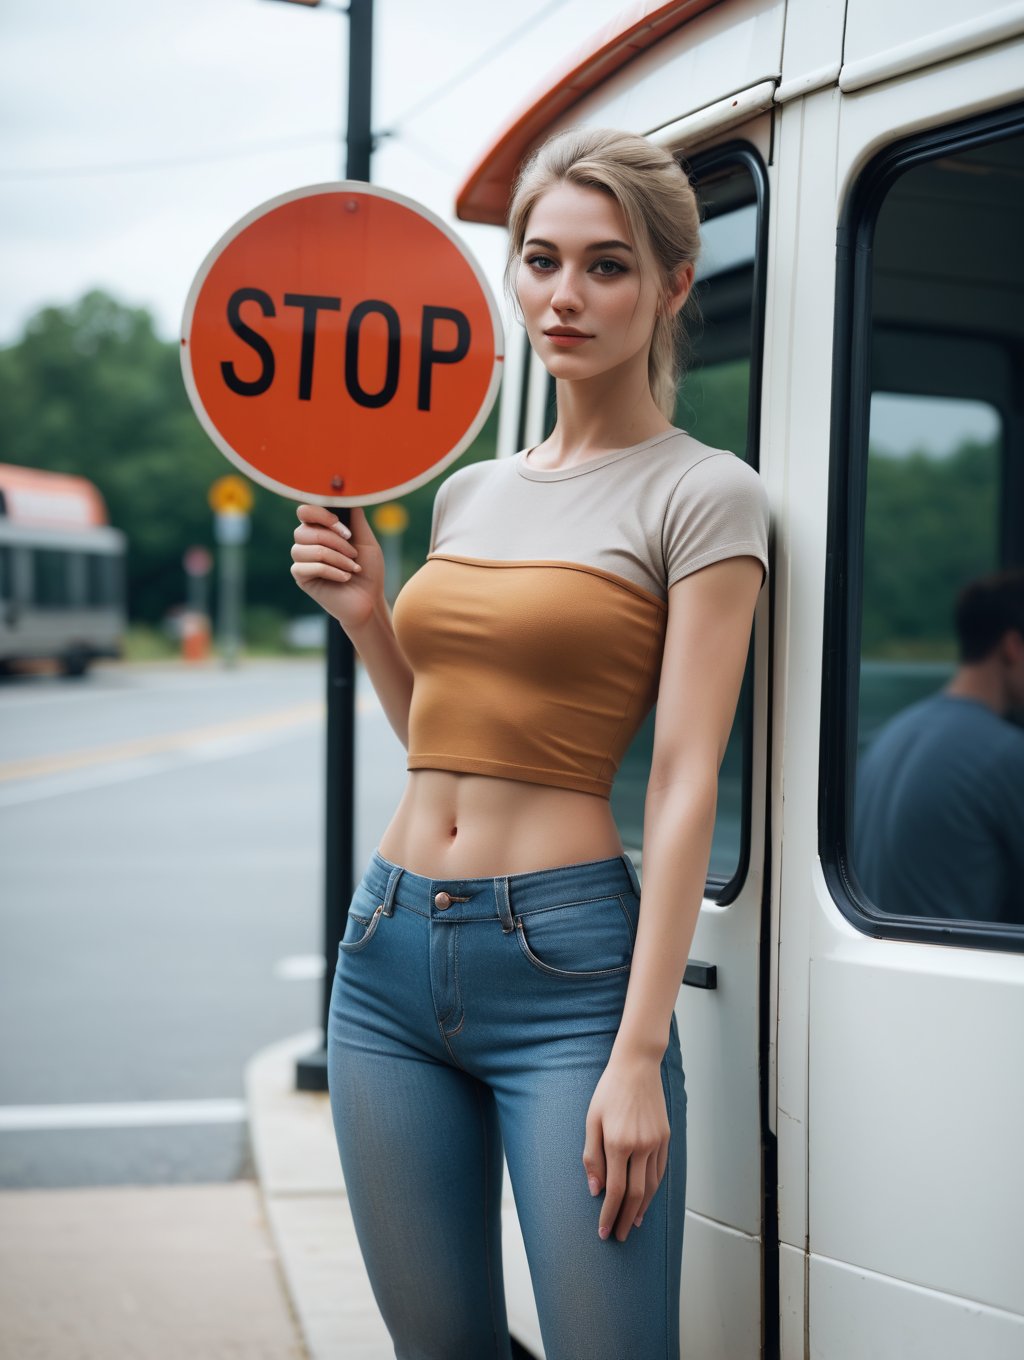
(322, 548)
(655, 1171)
(630, 1178)
(313, 571)
(633, 1198)
(320, 514)
(593, 1155)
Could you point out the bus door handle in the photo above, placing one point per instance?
(701, 975)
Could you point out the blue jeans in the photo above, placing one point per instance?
(471, 1017)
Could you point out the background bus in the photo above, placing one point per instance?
(855, 1176)
(62, 592)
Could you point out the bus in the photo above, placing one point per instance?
(855, 1180)
(62, 580)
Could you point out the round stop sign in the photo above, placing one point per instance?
(340, 345)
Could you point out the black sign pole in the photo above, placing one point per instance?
(311, 1071)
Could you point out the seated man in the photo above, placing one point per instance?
(939, 809)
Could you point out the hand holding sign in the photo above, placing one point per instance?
(342, 571)
(340, 345)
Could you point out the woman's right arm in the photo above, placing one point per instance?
(345, 576)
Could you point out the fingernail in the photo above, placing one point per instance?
(342, 528)
(603, 1233)
(638, 1221)
(594, 1183)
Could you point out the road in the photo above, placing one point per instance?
(161, 883)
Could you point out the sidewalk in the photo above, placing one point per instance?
(304, 1197)
(264, 1270)
(139, 1272)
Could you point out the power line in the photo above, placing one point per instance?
(172, 162)
(290, 143)
(477, 63)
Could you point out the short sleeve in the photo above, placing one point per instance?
(435, 522)
(717, 509)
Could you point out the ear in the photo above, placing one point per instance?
(1013, 644)
(679, 286)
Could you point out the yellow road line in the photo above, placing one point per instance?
(168, 741)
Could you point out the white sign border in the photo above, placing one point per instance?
(354, 187)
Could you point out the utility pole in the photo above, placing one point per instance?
(311, 1071)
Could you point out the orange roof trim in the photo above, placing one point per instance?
(59, 500)
(485, 193)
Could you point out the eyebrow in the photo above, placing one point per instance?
(597, 245)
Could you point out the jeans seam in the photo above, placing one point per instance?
(666, 1087)
(570, 902)
(487, 1241)
(629, 920)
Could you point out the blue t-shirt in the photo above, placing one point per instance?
(939, 813)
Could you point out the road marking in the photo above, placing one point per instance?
(166, 741)
(300, 967)
(141, 1114)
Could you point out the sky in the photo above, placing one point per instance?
(136, 132)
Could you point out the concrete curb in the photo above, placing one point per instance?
(306, 1205)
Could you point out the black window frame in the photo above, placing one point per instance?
(720, 890)
(736, 152)
(844, 559)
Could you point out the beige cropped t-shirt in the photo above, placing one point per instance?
(536, 626)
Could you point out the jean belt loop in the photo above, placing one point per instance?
(504, 906)
(631, 870)
(389, 894)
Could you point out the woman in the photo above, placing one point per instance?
(498, 988)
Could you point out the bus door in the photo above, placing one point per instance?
(905, 1020)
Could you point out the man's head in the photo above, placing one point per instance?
(989, 619)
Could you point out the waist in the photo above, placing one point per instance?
(478, 825)
(480, 898)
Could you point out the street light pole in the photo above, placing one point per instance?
(311, 1071)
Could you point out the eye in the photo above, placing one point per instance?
(539, 262)
(616, 268)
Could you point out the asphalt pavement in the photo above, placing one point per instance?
(166, 1193)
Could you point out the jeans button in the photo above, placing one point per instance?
(442, 901)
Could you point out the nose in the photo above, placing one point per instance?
(566, 295)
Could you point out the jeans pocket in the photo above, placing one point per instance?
(362, 922)
(590, 939)
(359, 931)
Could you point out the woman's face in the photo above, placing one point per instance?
(579, 273)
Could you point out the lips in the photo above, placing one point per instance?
(565, 338)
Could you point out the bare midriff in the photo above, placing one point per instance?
(450, 825)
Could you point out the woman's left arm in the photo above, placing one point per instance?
(710, 615)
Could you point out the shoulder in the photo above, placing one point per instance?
(716, 507)
(475, 474)
(464, 493)
(707, 470)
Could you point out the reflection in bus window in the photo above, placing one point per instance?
(937, 816)
(714, 406)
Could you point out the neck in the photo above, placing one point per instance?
(982, 682)
(609, 411)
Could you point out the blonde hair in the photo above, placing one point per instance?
(660, 208)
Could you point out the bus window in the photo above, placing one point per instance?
(935, 800)
(718, 403)
(51, 584)
(102, 589)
